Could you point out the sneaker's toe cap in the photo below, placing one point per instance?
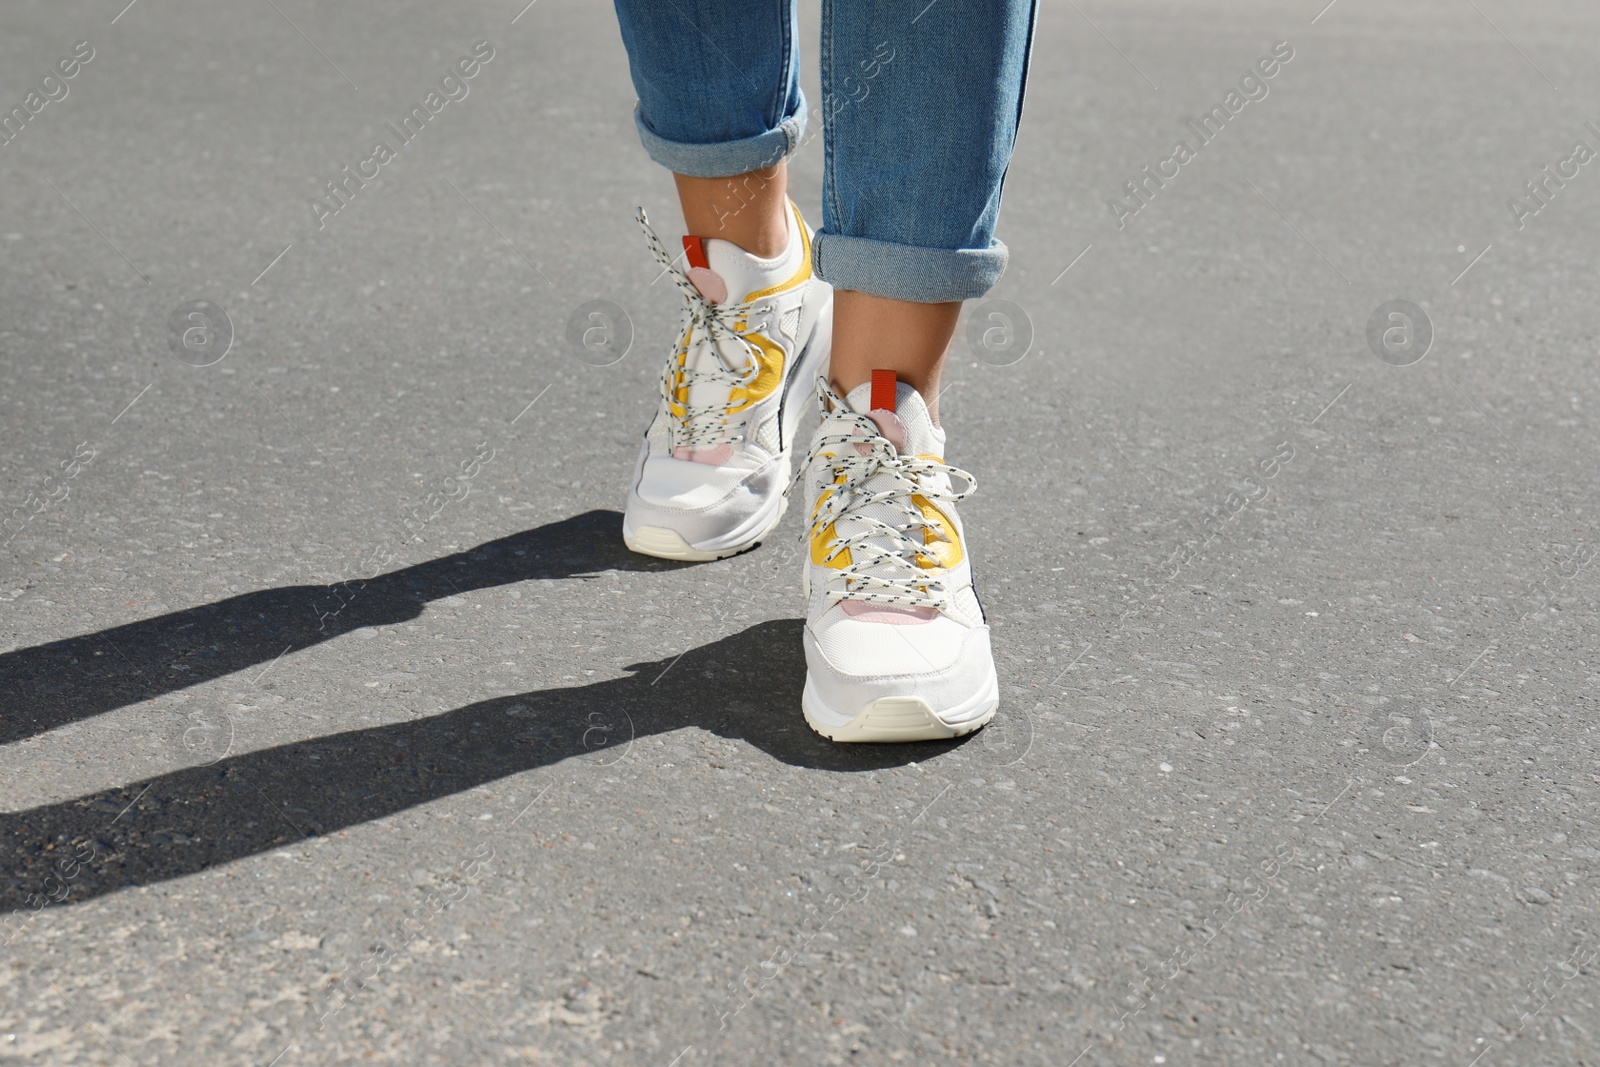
(681, 485)
(852, 664)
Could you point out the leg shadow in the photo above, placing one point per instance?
(746, 686)
(54, 684)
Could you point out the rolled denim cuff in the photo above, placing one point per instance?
(728, 158)
(906, 272)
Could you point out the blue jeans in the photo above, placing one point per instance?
(920, 108)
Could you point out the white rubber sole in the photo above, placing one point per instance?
(663, 543)
(899, 719)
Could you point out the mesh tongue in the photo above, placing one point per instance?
(921, 438)
(729, 276)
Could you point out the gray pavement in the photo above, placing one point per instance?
(339, 728)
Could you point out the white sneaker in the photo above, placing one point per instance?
(714, 469)
(896, 644)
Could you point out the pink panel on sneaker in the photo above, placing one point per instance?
(890, 426)
(711, 457)
(865, 612)
(710, 284)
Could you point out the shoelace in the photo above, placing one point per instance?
(844, 476)
(702, 326)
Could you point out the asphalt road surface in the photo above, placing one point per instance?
(340, 728)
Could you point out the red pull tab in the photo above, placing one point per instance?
(883, 390)
(697, 252)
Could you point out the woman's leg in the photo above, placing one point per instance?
(920, 108)
(720, 106)
(922, 99)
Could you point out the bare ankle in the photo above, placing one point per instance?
(749, 210)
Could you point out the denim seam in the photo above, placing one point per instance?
(829, 165)
(1022, 93)
(785, 75)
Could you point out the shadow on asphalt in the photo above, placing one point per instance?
(47, 686)
(746, 686)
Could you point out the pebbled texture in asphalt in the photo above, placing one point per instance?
(340, 728)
